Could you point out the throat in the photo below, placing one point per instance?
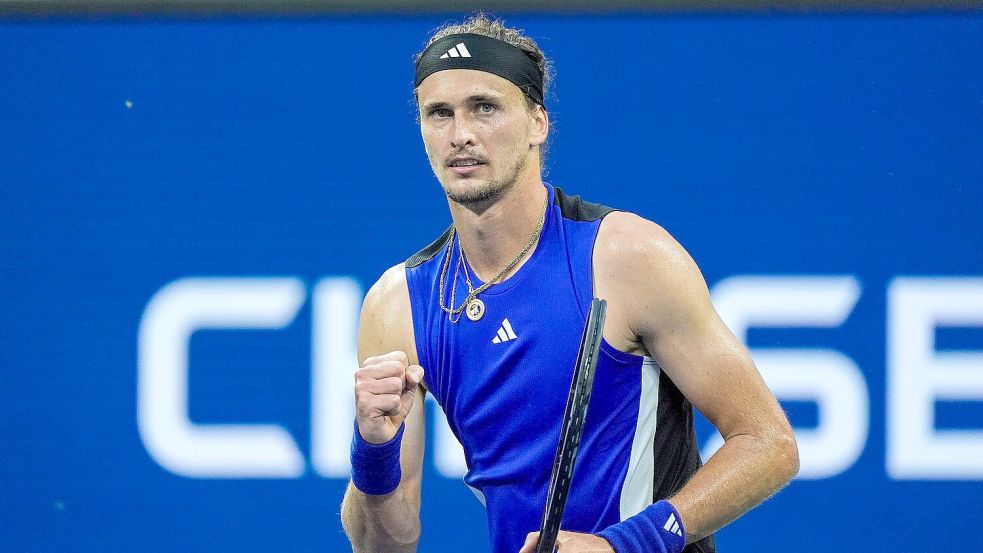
(494, 252)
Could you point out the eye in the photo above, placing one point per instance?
(440, 112)
(485, 107)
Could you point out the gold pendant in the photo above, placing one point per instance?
(475, 310)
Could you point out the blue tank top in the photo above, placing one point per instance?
(502, 382)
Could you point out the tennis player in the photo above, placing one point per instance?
(488, 319)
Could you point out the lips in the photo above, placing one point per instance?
(465, 162)
(464, 166)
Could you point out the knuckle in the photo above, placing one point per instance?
(386, 367)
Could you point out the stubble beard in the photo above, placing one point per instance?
(488, 192)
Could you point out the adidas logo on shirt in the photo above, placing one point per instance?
(505, 333)
(459, 51)
(672, 525)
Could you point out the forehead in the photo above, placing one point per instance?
(455, 85)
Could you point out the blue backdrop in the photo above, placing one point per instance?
(144, 159)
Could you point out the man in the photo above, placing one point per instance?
(488, 319)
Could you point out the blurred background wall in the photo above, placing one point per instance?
(194, 198)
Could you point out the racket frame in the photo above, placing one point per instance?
(572, 429)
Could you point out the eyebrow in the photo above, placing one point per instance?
(473, 99)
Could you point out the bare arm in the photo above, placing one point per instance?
(661, 306)
(391, 522)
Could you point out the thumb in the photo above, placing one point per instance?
(414, 375)
(532, 540)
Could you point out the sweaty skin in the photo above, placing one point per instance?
(658, 305)
(391, 522)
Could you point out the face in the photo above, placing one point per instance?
(479, 133)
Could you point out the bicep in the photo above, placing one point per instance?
(672, 315)
(386, 325)
(714, 371)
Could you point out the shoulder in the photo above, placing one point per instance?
(387, 321)
(391, 285)
(627, 243)
(644, 271)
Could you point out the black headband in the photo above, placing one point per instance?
(482, 53)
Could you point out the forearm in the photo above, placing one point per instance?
(381, 523)
(745, 471)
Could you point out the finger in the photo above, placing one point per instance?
(563, 537)
(532, 540)
(397, 356)
(381, 386)
(382, 369)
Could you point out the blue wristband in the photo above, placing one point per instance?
(375, 467)
(657, 528)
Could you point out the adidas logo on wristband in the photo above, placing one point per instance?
(672, 525)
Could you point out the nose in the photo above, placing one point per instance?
(462, 134)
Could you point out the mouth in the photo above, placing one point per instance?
(464, 166)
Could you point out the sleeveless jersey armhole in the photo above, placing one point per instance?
(577, 211)
(420, 292)
(420, 324)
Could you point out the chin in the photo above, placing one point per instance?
(475, 191)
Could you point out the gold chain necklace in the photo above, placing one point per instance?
(474, 307)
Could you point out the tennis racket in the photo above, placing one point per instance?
(573, 426)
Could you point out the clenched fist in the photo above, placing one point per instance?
(385, 387)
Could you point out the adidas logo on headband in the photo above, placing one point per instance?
(459, 51)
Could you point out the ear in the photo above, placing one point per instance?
(540, 126)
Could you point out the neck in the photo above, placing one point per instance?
(492, 235)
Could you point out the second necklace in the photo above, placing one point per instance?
(472, 305)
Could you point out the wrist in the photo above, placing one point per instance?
(375, 467)
(657, 528)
